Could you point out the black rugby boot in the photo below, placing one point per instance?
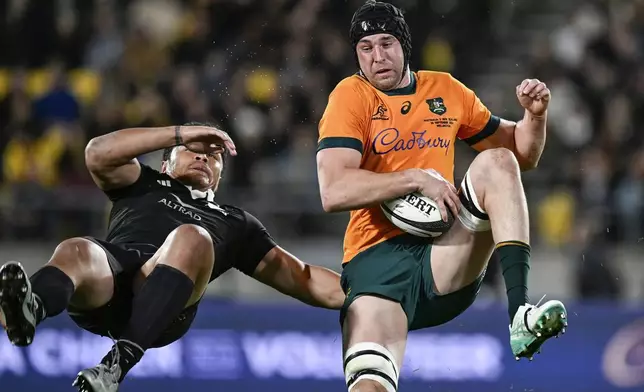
(100, 378)
(18, 305)
(106, 376)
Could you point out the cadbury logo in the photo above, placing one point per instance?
(389, 140)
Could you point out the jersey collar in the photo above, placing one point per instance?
(209, 195)
(409, 89)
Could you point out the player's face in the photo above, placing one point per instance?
(381, 60)
(201, 171)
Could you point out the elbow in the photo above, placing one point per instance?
(93, 153)
(527, 162)
(329, 201)
(528, 165)
(328, 205)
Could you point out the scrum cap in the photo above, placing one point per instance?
(376, 17)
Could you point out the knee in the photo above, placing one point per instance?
(495, 163)
(370, 367)
(75, 252)
(196, 240)
(368, 386)
(194, 237)
(82, 260)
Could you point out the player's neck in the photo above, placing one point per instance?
(405, 81)
(192, 185)
(197, 187)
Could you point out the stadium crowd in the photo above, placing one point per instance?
(74, 69)
(261, 70)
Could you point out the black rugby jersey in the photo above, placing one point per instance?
(148, 210)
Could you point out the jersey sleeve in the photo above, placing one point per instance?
(345, 120)
(255, 244)
(478, 123)
(141, 186)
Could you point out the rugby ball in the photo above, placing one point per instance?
(417, 214)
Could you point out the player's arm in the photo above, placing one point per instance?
(526, 138)
(260, 257)
(343, 185)
(311, 284)
(111, 158)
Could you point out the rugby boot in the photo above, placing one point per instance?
(101, 378)
(18, 305)
(533, 325)
(107, 376)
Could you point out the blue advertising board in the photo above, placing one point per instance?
(253, 347)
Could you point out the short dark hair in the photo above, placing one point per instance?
(167, 152)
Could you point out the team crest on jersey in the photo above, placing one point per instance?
(381, 113)
(436, 106)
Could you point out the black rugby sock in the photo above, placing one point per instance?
(515, 263)
(162, 298)
(129, 354)
(53, 290)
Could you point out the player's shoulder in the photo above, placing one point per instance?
(149, 180)
(151, 175)
(243, 216)
(432, 78)
(353, 86)
(233, 210)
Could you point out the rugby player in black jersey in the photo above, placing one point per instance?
(167, 239)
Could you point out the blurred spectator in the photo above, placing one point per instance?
(58, 103)
(596, 274)
(592, 65)
(629, 200)
(556, 214)
(15, 111)
(106, 46)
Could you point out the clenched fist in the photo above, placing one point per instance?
(534, 96)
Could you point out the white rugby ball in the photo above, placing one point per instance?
(417, 214)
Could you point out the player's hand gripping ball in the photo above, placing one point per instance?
(429, 212)
(534, 96)
(418, 215)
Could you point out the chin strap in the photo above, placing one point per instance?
(402, 76)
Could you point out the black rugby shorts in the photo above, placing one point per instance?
(111, 319)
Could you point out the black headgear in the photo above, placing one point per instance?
(376, 17)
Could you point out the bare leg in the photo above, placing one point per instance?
(494, 185)
(460, 256)
(197, 264)
(497, 182)
(368, 386)
(174, 278)
(77, 273)
(374, 324)
(86, 265)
